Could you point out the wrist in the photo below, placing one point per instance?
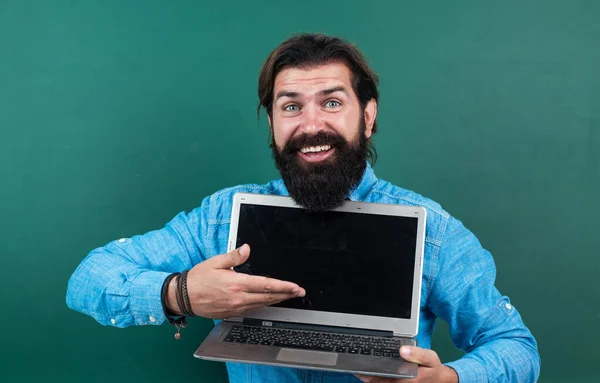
(450, 375)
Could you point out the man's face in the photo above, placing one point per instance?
(320, 133)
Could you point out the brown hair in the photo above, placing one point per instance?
(308, 50)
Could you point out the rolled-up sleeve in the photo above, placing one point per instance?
(483, 323)
(120, 284)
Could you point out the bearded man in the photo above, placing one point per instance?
(320, 96)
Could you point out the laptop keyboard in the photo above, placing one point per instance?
(319, 341)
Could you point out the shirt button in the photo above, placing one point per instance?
(508, 306)
(113, 321)
(152, 319)
(122, 240)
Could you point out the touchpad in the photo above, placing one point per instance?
(309, 357)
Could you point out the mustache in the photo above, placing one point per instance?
(320, 138)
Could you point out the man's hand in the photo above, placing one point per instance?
(216, 291)
(430, 368)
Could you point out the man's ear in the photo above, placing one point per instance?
(370, 114)
(270, 122)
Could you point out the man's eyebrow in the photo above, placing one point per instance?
(325, 92)
(285, 93)
(333, 90)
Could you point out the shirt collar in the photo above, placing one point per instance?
(359, 193)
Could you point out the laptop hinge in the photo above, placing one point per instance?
(398, 335)
(318, 328)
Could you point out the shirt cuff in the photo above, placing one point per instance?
(144, 298)
(469, 370)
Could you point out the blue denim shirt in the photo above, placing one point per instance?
(119, 285)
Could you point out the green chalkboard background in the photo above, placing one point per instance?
(117, 115)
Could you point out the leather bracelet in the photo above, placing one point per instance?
(164, 292)
(179, 295)
(184, 293)
(179, 322)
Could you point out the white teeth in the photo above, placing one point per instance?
(315, 149)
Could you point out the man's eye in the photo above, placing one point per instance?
(291, 108)
(332, 104)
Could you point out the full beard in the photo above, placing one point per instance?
(325, 185)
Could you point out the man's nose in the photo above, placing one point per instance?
(312, 120)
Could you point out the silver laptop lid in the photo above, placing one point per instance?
(360, 264)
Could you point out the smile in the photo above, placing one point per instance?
(315, 149)
(316, 153)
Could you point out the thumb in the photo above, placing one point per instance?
(234, 258)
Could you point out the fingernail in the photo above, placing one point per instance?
(242, 250)
(295, 291)
(405, 351)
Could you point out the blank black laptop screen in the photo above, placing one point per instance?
(351, 263)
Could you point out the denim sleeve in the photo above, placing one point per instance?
(483, 323)
(120, 284)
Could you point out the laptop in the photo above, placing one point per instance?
(361, 266)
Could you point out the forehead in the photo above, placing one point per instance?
(312, 79)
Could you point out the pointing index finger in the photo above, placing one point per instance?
(255, 284)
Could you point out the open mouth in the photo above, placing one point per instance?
(316, 153)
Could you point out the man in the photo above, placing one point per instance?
(321, 100)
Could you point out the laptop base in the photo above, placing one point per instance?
(215, 349)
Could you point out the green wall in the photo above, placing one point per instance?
(117, 115)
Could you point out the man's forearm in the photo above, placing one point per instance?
(501, 360)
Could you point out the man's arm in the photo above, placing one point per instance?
(119, 284)
(483, 323)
